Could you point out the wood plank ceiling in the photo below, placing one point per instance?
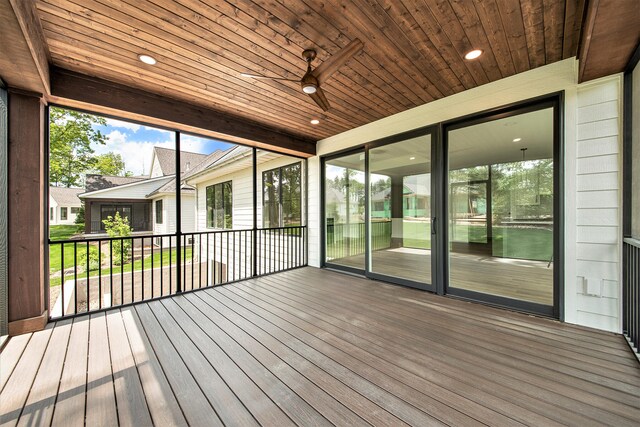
(413, 50)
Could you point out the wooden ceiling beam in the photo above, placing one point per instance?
(610, 34)
(24, 63)
(80, 91)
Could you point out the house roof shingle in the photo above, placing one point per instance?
(166, 158)
(95, 182)
(66, 196)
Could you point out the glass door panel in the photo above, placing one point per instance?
(400, 210)
(501, 210)
(344, 208)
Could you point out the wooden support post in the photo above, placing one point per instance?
(26, 212)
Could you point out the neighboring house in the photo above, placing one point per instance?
(148, 201)
(416, 203)
(64, 205)
(223, 186)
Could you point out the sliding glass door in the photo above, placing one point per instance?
(501, 210)
(400, 211)
(378, 210)
(470, 210)
(344, 212)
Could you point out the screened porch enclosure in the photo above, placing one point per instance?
(237, 213)
(138, 213)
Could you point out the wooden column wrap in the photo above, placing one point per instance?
(26, 212)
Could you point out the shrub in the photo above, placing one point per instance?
(117, 226)
(80, 215)
(94, 261)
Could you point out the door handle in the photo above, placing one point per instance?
(433, 226)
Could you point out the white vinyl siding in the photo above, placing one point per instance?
(55, 213)
(169, 214)
(598, 201)
(139, 190)
(314, 205)
(241, 185)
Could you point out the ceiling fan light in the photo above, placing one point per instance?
(309, 88)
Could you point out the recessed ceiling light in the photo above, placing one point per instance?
(517, 139)
(315, 121)
(412, 158)
(147, 59)
(473, 54)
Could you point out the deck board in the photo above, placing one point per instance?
(101, 398)
(161, 402)
(132, 405)
(16, 390)
(316, 347)
(193, 402)
(516, 374)
(38, 409)
(220, 396)
(10, 357)
(70, 400)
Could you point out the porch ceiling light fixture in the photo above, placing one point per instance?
(517, 139)
(315, 121)
(412, 158)
(309, 87)
(150, 60)
(473, 54)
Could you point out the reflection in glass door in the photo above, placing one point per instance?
(344, 212)
(501, 210)
(400, 211)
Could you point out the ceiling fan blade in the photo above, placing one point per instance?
(261, 77)
(319, 98)
(331, 65)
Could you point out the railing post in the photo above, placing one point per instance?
(178, 219)
(254, 246)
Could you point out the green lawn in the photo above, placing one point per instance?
(64, 232)
(55, 253)
(508, 242)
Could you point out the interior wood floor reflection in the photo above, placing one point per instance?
(512, 278)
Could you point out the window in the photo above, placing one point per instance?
(110, 211)
(158, 211)
(51, 214)
(75, 210)
(220, 206)
(63, 214)
(282, 196)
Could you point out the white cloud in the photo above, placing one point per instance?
(125, 125)
(193, 144)
(136, 154)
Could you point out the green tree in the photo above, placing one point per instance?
(118, 226)
(80, 215)
(109, 164)
(71, 134)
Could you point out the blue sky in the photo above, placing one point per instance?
(135, 143)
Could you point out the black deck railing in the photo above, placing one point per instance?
(97, 273)
(631, 292)
(345, 240)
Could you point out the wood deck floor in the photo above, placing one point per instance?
(313, 347)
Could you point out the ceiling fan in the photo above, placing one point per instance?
(313, 78)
